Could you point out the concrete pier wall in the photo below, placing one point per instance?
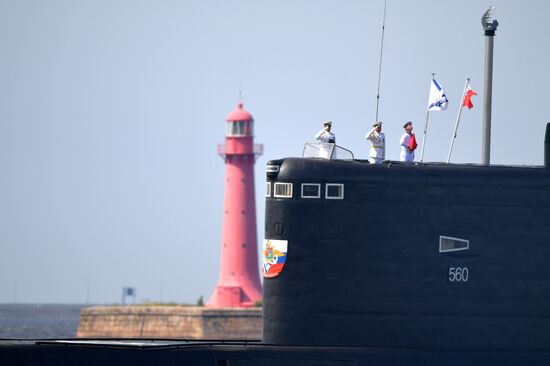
(183, 322)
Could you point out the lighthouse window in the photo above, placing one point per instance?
(268, 189)
(239, 128)
(334, 191)
(230, 127)
(283, 190)
(449, 244)
(233, 128)
(248, 128)
(311, 190)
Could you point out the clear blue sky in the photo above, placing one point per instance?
(110, 112)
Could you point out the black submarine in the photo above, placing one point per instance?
(463, 280)
(386, 264)
(424, 256)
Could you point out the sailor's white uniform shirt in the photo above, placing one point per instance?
(378, 141)
(325, 136)
(406, 153)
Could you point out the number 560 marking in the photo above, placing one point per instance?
(458, 274)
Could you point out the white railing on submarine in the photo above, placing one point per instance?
(326, 151)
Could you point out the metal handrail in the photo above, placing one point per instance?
(326, 151)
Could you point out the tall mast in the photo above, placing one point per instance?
(380, 62)
(490, 28)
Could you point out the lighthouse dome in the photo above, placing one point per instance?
(239, 114)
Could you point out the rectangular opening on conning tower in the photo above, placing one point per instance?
(450, 244)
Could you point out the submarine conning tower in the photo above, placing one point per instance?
(547, 147)
(422, 256)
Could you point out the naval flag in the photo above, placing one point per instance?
(412, 143)
(437, 100)
(468, 97)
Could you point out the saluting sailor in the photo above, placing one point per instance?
(325, 137)
(407, 149)
(378, 141)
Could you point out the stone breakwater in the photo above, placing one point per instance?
(182, 322)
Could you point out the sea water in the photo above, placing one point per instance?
(32, 321)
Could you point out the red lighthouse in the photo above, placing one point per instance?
(239, 281)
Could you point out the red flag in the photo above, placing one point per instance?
(468, 97)
(412, 144)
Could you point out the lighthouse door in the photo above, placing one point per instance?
(229, 296)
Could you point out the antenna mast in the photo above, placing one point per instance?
(490, 28)
(380, 62)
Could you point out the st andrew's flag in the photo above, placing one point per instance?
(438, 100)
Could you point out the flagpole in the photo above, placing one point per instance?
(380, 62)
(457, 120)
(426, 126)
(424, 137)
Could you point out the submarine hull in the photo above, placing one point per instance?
(137, 353)
(429, 256)
(390, 264)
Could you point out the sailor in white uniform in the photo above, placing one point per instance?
(327, 139)
(378, 140)
(406, 153)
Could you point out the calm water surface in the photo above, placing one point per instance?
(39, 320)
